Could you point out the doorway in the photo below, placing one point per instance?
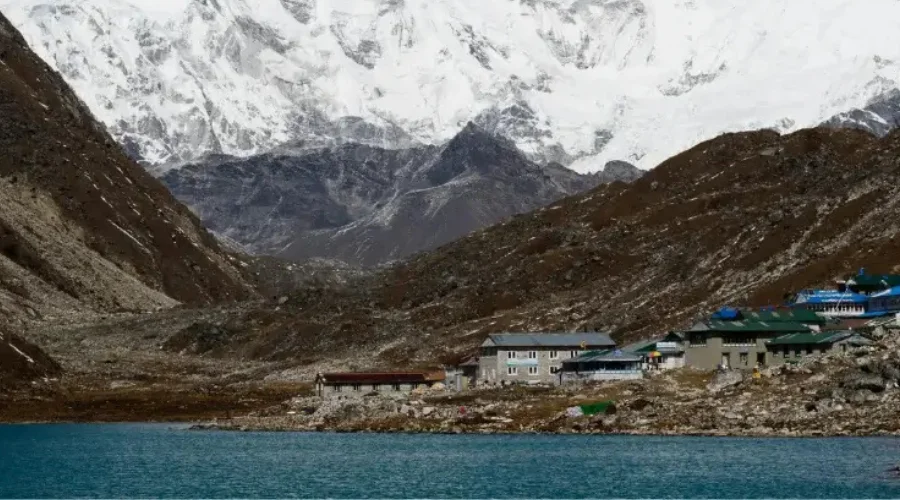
(761, 359)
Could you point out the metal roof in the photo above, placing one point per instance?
(830, 297)
(890, 292)
(785, 315)
(605, 356)
(886, 280)
(643, 346)
(810, 338)
(380, 377)
(574, 340)
(748, 326)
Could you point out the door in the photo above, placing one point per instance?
(726, 360)
(761, 359)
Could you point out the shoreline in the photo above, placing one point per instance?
(200, 426)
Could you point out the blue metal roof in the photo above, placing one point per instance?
(890, 292)
(830, 297)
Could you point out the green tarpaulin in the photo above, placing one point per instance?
(599, 407)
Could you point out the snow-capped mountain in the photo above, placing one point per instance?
(880, 115)
(579, 82)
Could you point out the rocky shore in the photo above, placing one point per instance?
(852, 393)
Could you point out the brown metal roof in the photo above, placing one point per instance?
(381, 377)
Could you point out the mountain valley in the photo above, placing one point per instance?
(416, 235)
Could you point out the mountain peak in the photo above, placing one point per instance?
(577, 82)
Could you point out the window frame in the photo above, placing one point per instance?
(554, 354)
(534, 370)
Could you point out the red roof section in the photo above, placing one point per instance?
(381, 377)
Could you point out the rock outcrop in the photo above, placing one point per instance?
(22, 362)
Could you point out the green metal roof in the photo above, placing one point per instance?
(607, 355)
(810, 338)
(785, 316)
(719, 326)
(875, 280)
(643, 346)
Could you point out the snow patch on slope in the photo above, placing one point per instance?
(575, 81)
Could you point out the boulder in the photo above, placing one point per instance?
(864, 381)
(725, 379)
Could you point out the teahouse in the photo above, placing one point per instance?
(730, 340)
(328, 384)
(534, 357)
(602, 365)
(792, 347)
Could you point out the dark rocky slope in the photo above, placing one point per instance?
(365, 205)
(22, 362)
(82, 227)
(741, 219)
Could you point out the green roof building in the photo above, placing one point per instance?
(735, 344)
(791, 347)
(870, 283)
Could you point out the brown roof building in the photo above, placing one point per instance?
(348, 383)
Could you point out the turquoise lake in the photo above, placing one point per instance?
(155, 460)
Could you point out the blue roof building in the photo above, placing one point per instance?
(885, 302)
(833, 303)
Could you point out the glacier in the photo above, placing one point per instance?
(578, 82)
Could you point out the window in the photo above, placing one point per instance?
(396, 387)
(511, 355)
(787, 352)
(809, 350)
(554, 354)
(337, 388)
(512, 370)
(573, 354)
(697, 339)
(796, 352)
(742, 340)
(532, 370)
(532, 354)
(744, 359)
(357, 387)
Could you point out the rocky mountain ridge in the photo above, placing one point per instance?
(742, 219)
(83, 229)
(365, 205)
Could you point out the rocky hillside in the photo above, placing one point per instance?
(741, 219)
(82, 227)
(365, 205)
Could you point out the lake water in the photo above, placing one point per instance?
(169, 461)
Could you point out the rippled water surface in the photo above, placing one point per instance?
(168, 461)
